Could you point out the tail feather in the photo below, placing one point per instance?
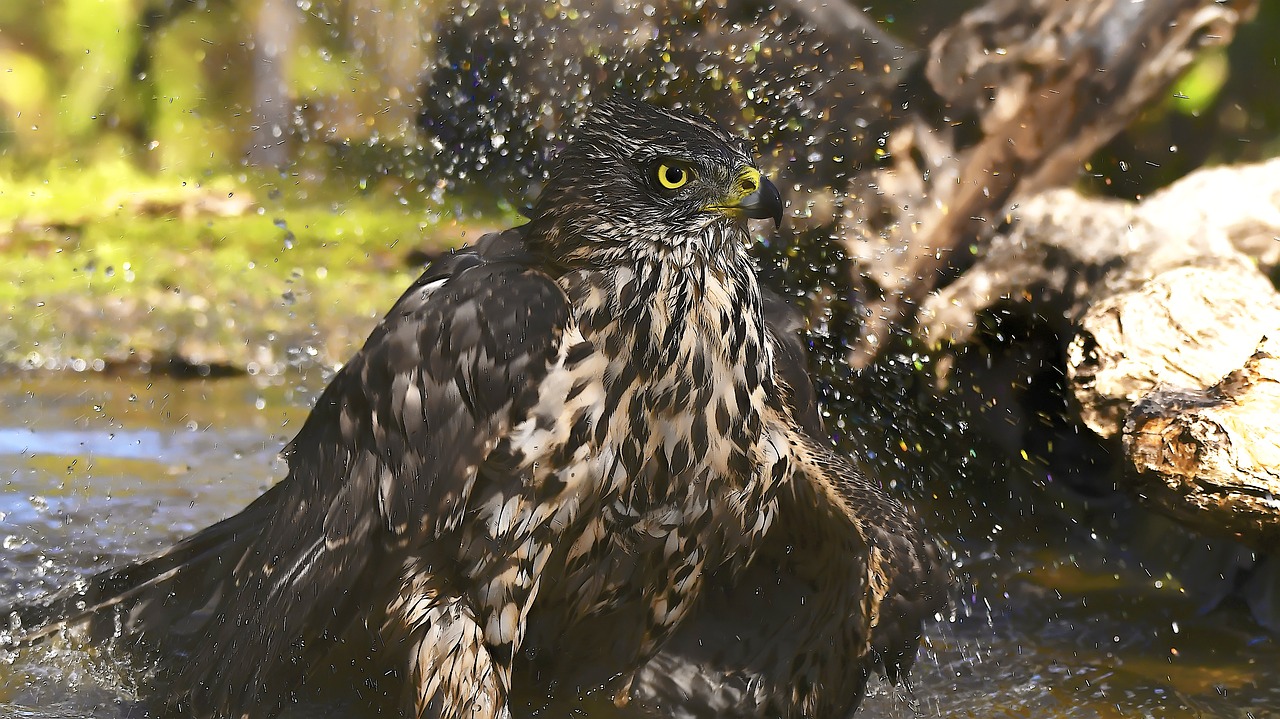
(149, 601)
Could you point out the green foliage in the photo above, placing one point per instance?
(1224, 109)
(1199, 86)
(187, 115)
(111, 263)
(95, 41)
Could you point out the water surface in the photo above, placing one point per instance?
(1048, 622)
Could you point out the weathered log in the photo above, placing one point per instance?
(1186, 326)
(1242, 202)
(1211, 457)
(1155, 305)
(1037, 87)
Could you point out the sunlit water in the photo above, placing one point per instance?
(100, 469)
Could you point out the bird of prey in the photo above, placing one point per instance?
(584, 445)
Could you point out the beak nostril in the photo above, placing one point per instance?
(748, 181)
(753, 196)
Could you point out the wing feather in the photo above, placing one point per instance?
(790, 360)
(382, 464)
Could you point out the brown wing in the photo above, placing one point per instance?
(907, 577)
(790, 359)
(385, 460)
(382, 464)
(839, 589)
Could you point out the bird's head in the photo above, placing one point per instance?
(637, 178)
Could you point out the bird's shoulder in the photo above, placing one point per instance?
(490, 304)
(432, 388)
(498, 264)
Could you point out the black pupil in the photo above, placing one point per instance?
(673, 175)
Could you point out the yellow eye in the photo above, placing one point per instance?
(672, 177)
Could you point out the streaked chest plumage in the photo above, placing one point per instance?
(644, 453)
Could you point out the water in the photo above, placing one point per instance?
(1048, 622)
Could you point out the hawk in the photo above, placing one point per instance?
(583, 447)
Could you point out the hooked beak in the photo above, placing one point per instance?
(754, 197)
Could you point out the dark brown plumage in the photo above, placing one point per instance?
(583, 449)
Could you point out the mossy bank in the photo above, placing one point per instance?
(108, 267)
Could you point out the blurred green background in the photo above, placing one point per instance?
(194, 87)
(140, 87)
(184, 167)
(207, 183)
